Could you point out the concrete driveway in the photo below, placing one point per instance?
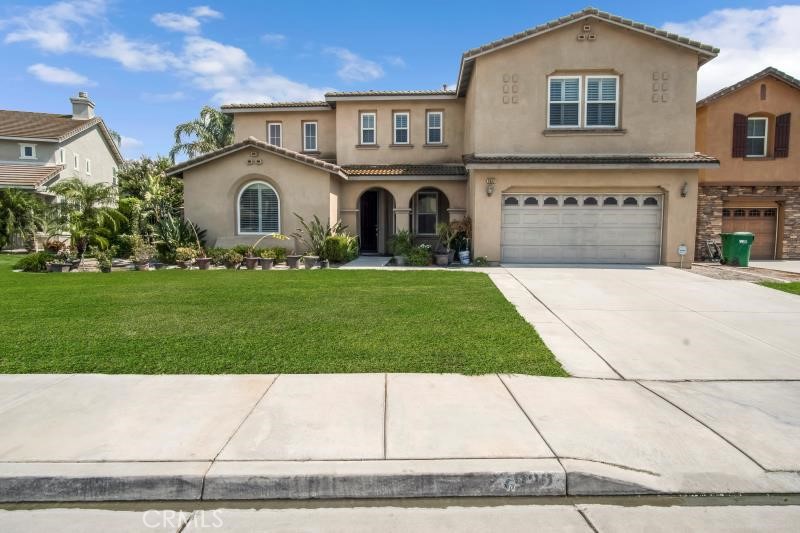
(660, 323)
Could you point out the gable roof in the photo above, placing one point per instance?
(49, 127)
(704, 51)
(769, 71)
(252, 142)
(27, 176)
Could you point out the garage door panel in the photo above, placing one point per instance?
(581, 234)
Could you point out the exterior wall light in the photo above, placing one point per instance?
(489, 186)
(684, 189)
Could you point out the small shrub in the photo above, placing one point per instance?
(480, 261)
(419, 255)
(340, 248)
(241, 249)
(36, 262)
(232, 258)
(401, 242)
(216, 255)
(185, 254)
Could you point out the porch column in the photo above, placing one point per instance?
(456, 213)
(350, 219)
(401, 218)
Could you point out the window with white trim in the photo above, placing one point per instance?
(756, 137)
(259, 209)
(601, 101)
(61, 156)
(76, 162)
(88, 167)
(367, 128)
(310, 136)
(274, 133)
(27, 151)
(427, 212)
(563, 105)
(401, 128)
(435, 127)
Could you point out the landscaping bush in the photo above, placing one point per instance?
(241, 249)
(216, 254)
(34, 262)
(419, 255)
(279, 254)
(340, 248)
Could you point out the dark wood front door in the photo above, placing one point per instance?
(369, 222)
(761, 222)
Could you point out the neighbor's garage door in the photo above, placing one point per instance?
(581, 228)
(761, 221)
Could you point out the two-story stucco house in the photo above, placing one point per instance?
(570, 142)
(38, 149)
(757, 187)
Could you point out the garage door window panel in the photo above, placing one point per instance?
(609, 201)
(551, 201)
(511, 201)
(531, 200)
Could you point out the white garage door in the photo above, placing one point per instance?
(581, 228)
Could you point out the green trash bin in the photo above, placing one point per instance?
(736, 248)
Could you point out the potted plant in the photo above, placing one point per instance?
(313, 235)
(447, 233)
(419, 255)
(400, 244)
(201, 258)
(266, 258)
(141, 254)
(464, 235)
(62, 261)
(250, 261)
(232, 259)
(184, 257)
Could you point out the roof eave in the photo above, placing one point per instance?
(589, 166)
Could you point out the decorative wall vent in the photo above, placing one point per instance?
(510, 88)
(587, 34)
(661, 87)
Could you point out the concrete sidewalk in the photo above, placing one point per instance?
(102, 438)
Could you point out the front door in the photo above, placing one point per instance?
(369, 222)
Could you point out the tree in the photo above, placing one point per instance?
(92, 218)
(20, 213)
(211, 131)
(148, 193)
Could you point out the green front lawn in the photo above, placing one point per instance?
(793, 287)
(263, 322)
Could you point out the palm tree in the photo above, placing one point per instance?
(212, 131)
(19, 216)
(92, 218)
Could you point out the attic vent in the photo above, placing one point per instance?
(253, 154)
(587, 28)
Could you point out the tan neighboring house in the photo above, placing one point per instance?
(38, 149)
(571, 142)
(757, 187)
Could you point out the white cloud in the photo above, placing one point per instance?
(175, 96)
(205, 12)
(353, 67)
(176, 22)
(396, 61)
(749, 41)
(133, 55)
(60, 76)
(269, 87)
(50, 27)
(274, 39)
(130, 142)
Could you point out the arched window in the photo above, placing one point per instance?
(259, 209)
(630, 200)
(650, 201)
(610, 201)
(531, 200)
(550, 201)
(590, 200)
(511, 201)
(570, 200)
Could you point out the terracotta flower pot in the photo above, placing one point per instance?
(250, 262)
(266, 263)
(203, 263)
(293, 261)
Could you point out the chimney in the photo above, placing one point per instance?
(82, 107)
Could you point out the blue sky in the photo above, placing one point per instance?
(149, 65)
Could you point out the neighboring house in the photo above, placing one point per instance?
(757, 187)
(38, 149)
(572, 142)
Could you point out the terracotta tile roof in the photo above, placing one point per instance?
(271, 105)
(51, 127)
(769, 71)
(27, 176)
(423, 92)
(404, 170)
(706, 52)
(255, 143)
(654, 159)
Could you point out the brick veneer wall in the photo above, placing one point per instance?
(709, 214)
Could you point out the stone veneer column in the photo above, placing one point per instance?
(791, 223)
(709, 218)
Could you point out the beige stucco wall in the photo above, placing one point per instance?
(255, 125)
(715, 135)
(348, 131)
(211, 193)
(679, 213)
(662, 127)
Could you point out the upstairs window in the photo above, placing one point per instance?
(601, 101)
(274, 133)
(756, 145)
(368, 128)
(434, 120)
(310, 136)
(27, 151)
(88, 167)
(564, 96)
(401, 128)
(76, 162)
(61, 156)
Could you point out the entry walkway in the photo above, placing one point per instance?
(367, 261)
